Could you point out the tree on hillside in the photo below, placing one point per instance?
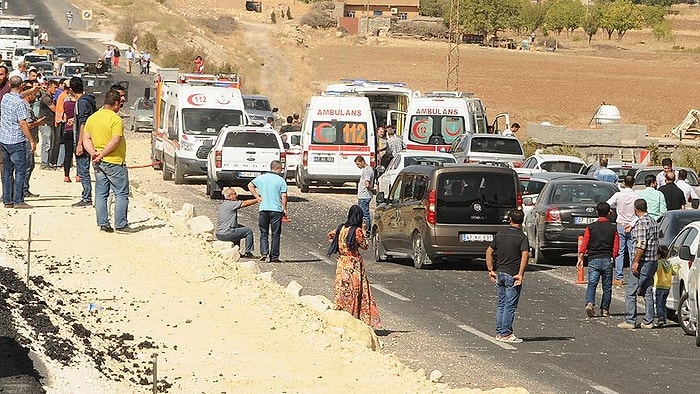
(652, 15)
(434, 8)
(619, 16)
(564, 15)
(531, 16)
(591, 25)
(489, 16)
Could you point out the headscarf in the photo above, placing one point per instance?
(354, 222)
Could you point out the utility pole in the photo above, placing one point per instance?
(454, 39)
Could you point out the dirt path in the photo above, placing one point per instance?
(276, 70)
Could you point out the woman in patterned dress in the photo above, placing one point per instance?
(351, 291)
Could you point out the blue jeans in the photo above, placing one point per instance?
(600, 268)
(270, 222)
(508, 296)
(30, 168)
(626, 247)
(235, 235)
(642, 285)
(14, 171)
(82, 164)
(112, 177)
(364, 204)
(661, 296)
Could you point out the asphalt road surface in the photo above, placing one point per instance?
(443, 317)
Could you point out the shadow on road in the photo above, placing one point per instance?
(545, 339)
(386, 333)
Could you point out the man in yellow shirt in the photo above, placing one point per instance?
(103, 139)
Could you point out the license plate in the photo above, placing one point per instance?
(476, 237)
(583, 220)
(324, 159)
(248, 174)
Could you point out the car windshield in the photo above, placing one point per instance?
(35, 58)
(531, 186)
(145, 104)
(474, 198)
(582, 193)
(435, 129)
(561, 166)
(505, 145)
(256, 104)
(73, 70)
(245, 139)
(208, 121)
(692, 178)
(15, 31)
(427, 160)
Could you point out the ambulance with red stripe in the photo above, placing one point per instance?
(335, 130)
(435, 120)
(191, 110)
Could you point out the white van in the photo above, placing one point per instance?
(336, 129)
(434, 121)
(188, 117)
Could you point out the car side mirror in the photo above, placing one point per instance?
(380, 198)
(684, 253)
(527, 201)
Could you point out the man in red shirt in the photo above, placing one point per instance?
(601, 242)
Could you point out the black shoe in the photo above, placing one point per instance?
(82, 204)
(107, 229)
(276, 261)
(9, 205)
(23, 205)
(126, 230)
(263, 258)
(247, 256)
(30, 194)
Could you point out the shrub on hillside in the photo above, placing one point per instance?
(223, 25)
(126, 29)
(319, 16)
(687, 156)
(181, 59)
(148, 42)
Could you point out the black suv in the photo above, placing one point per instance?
(434, 213)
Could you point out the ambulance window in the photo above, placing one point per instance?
(171, 118)
(208, 121)
(324, 133)
(421, 129)
(339, 133)
(451, 127)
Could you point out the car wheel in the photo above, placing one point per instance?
(213, 190)
(539, 256)
(420, 257)
(179, 174)
(302, 186)
(684, 315)
(379, 251)
(167, 175)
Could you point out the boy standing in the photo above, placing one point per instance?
(662, 282)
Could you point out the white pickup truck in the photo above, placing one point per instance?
(239, 154)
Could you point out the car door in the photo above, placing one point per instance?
(673, 249)
(390, 215)
(404, 223)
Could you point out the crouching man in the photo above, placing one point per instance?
(227, 226)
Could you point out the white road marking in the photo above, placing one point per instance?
(322, 258)
(487, 337)
(603, 389)
(564, 372)
(390, 293)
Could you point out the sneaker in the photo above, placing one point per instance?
(107, 229)
(605, 313)
(82, 204)
(590, 311)
(263, 258)
(44, 166)
(510, 339)
(66, 179)
(627, 326)
(23, 205)
(126, 230)
(647, 326)
(9, 205)
(247, 256)
(30, 194)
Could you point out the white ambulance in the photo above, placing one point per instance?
(435, 120)
(190, 112)
(336, 129)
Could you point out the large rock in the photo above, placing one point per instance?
(351, 328)
(179, 223)
(232, 255)
(187, 210)
(200, 225)
(294, 288)
(221, 245)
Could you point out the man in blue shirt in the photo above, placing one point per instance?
(270, 190)
(604, 173)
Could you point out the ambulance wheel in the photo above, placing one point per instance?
(167, 175)
(179, 174)
(300, 184)
(157, 163)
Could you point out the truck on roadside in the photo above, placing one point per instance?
(17, 31)
(190, 111)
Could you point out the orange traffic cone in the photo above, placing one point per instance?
(580, 280)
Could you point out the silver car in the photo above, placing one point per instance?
(488, 149)
(141, 114)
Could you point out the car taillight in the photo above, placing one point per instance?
(217, 159)
(372, 161)
(432, 204)
(690, 264)
(519, 199)
(517, 164)
(283, 157)
(552, 215)
(467, 161)
(305, 159)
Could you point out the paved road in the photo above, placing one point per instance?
(443, 318)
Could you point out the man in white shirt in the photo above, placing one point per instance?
(682, 184)
(20, 71)
(129, 55)
(512, 130)
(623, 202)
(270, 125)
